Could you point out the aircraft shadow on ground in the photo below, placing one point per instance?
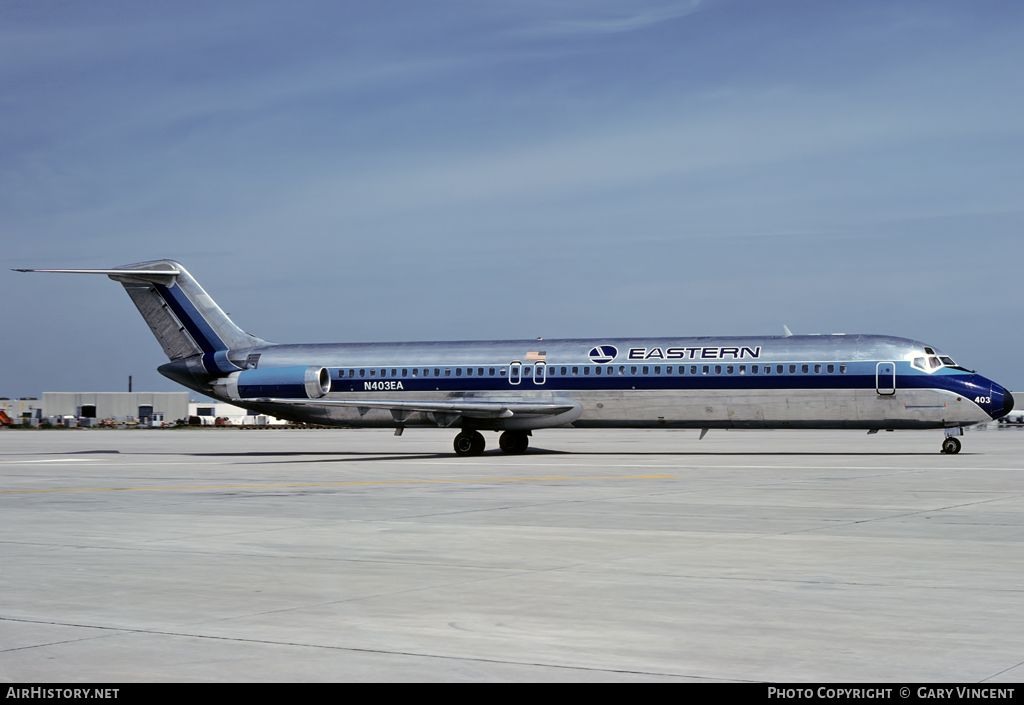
(325, 456)
(370, 456)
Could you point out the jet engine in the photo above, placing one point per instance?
(282, 382)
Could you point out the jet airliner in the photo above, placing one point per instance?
(515, 387)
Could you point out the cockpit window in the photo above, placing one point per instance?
(933, 362)
(947, 361)
(918, 363)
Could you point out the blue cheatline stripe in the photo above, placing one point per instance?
(968, 386)
(188, 314)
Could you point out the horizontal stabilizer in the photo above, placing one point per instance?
(159, 276)
(122, 272)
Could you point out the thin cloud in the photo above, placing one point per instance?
(615, 24)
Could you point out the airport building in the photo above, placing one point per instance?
(150, 409)
(120, 406)
(221, 414)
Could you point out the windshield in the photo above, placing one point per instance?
(934, 362)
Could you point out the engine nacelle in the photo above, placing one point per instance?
(283, 382)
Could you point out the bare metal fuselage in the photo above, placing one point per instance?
(835, 381)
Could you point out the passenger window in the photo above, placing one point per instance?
(575, 371)
(414, 371)
(405, 372)
(373, 373)
(817, 369)
(693, 370)
(668, 370)
(705, 369)
(586, 370)
(480, 372)
(830, 369)
(490, 372)
(469, 371)
(792, 369)
(394, 373)
(501, 371)
(526, 372)
(447, 371)
(610, 370)
(779, 369)
(842, 369)
(753, 369)
(632, 369)
(743, 369)
(767, 369)
(351, 373)
(622, 369)
(728, 369)
(458, 371)
(597, 370)
(657, 369)
(645, 369)
(718, 369)
(803, 369)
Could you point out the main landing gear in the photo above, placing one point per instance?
(472, 443)
(514, 442)
(951, 446)
(469, 443)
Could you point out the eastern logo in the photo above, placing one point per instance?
(603, 354)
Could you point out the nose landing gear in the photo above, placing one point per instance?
(951, 446)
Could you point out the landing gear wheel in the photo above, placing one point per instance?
(951, 446)
(469, 443)
(514, 442)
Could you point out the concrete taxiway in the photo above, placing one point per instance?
(229, 555)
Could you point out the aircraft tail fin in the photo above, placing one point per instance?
(182, 316)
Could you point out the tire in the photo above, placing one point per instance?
(951, 446)
(469, 443)
(513, 442)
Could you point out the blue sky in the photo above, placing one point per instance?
(461, 170)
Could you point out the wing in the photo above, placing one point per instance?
(445, 413)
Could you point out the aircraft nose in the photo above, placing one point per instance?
(1000, 401)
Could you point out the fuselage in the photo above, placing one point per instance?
(826, 381)
(516, 386)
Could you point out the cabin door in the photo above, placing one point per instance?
(885, 378)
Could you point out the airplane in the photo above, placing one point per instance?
(516, 387)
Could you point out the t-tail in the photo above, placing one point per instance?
(194, 332)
